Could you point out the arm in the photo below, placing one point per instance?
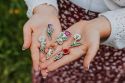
(117, 21)
(32, 4)
(41, 13)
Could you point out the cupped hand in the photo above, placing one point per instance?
(35, 27)
(91, 33)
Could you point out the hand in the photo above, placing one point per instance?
(36, 26)
(91, 31)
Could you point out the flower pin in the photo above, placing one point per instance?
(50, 30)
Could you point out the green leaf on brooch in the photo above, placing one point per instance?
(75, 44)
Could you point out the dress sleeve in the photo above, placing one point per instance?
(117, 20)
(31, 4)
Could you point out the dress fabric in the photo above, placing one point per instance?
(108, 65)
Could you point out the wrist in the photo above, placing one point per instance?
(102, 25)
(45, 10)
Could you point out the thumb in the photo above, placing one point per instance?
(91, 52)
(27, 36)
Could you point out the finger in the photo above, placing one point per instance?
(42, 57)
(35, 57)
(50, 61)
(92, 50)
(46, 63)
(44, 73)
(27, 36)
(50, 43)
(65, 59)
(57, 50)
(35, 51)
(43, 34)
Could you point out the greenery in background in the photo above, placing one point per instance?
(15, 65)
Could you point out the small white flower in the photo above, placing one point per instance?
(42, 39)
(77, 37)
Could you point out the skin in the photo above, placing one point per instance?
(35, 27)
(92, 33)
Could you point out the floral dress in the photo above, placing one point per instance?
(108, 65)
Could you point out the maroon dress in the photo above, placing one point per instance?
(107, 67)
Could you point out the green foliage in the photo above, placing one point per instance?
(15, 65)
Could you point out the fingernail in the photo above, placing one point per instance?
(44, 77)
(36, 68)
(86, 68)
(23, 49)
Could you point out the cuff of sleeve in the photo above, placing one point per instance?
(34, 3)
(117, 30)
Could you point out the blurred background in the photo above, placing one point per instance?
(15, 65)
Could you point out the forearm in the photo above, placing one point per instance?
(117, 22)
